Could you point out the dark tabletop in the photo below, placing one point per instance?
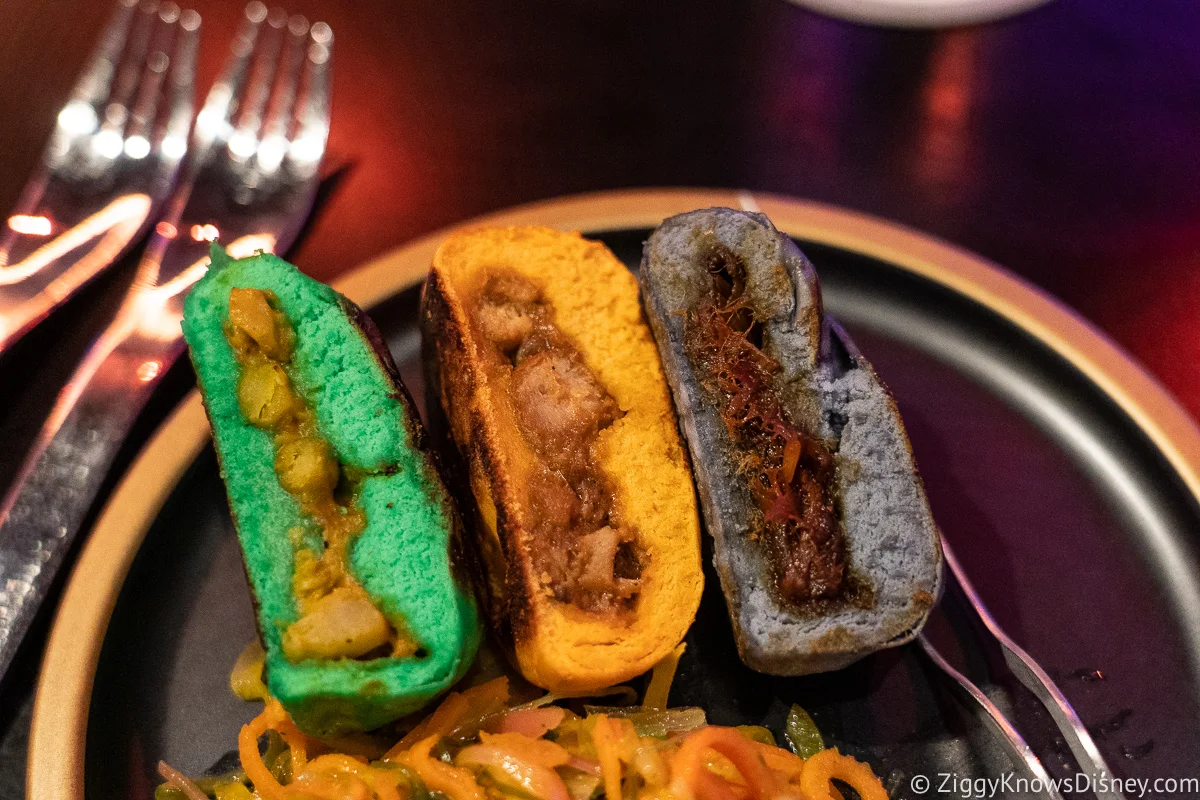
(1063, 144)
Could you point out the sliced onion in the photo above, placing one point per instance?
(180, 781)
(659, 724)
(531, 722)
(588, 765)
(507, 769)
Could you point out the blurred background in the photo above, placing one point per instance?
(1062, 142)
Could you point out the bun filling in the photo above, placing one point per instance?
(337, 619)
(579, 550)
(790, 473)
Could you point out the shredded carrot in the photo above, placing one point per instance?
(355, 744)
(333, 787)
(605, 735)
(781, 760)
(256, 770)
(707, 785)
(299, 743)
(450, 709)
(828, 764)
(336, 776)
(690, 772)
(487, 697)
(457, 784)
(792, 451)
(339, 762)
(661, 679)
(475, 702)
(708, 763)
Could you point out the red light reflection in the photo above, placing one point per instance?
(941, 159)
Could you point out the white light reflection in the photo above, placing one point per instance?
(148, 370)
(174, 147)
(212, 122)
(307, 149)
(256, 12)
(242, 145)
(208, 121)
(108, 143)
(271, 152)
(137, 147)
(77, 118)
(205, 233)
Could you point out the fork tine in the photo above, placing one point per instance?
(154, 72)
(274, 144)
(116, 110)
(986, 711)
(94, 82)
(173, 138)
(308, 145)
(244, 142)
(214, 120)
(1035, 679)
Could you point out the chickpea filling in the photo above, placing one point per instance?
(791, 474)
(337, 617)
(581, 552)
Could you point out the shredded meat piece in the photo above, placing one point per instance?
(578, 550)
(559, 403)
(558, 504)
(507, 311)
(506, 325)
(790, 473)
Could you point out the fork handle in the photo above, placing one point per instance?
(44, 509)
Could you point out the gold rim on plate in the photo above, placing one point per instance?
(58, 733)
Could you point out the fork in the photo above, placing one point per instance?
(1038, 682)
(251, 179)
(108, 167)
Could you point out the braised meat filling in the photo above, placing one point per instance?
(337, 617)
(790, 473)
(580, 552)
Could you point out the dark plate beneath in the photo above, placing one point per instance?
(1074, 528)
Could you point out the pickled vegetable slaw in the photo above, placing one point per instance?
(478, 745)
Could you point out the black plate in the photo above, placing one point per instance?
(1074, 528)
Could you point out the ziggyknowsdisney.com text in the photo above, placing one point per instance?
(949, 783)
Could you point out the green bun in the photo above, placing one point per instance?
(408, 558)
